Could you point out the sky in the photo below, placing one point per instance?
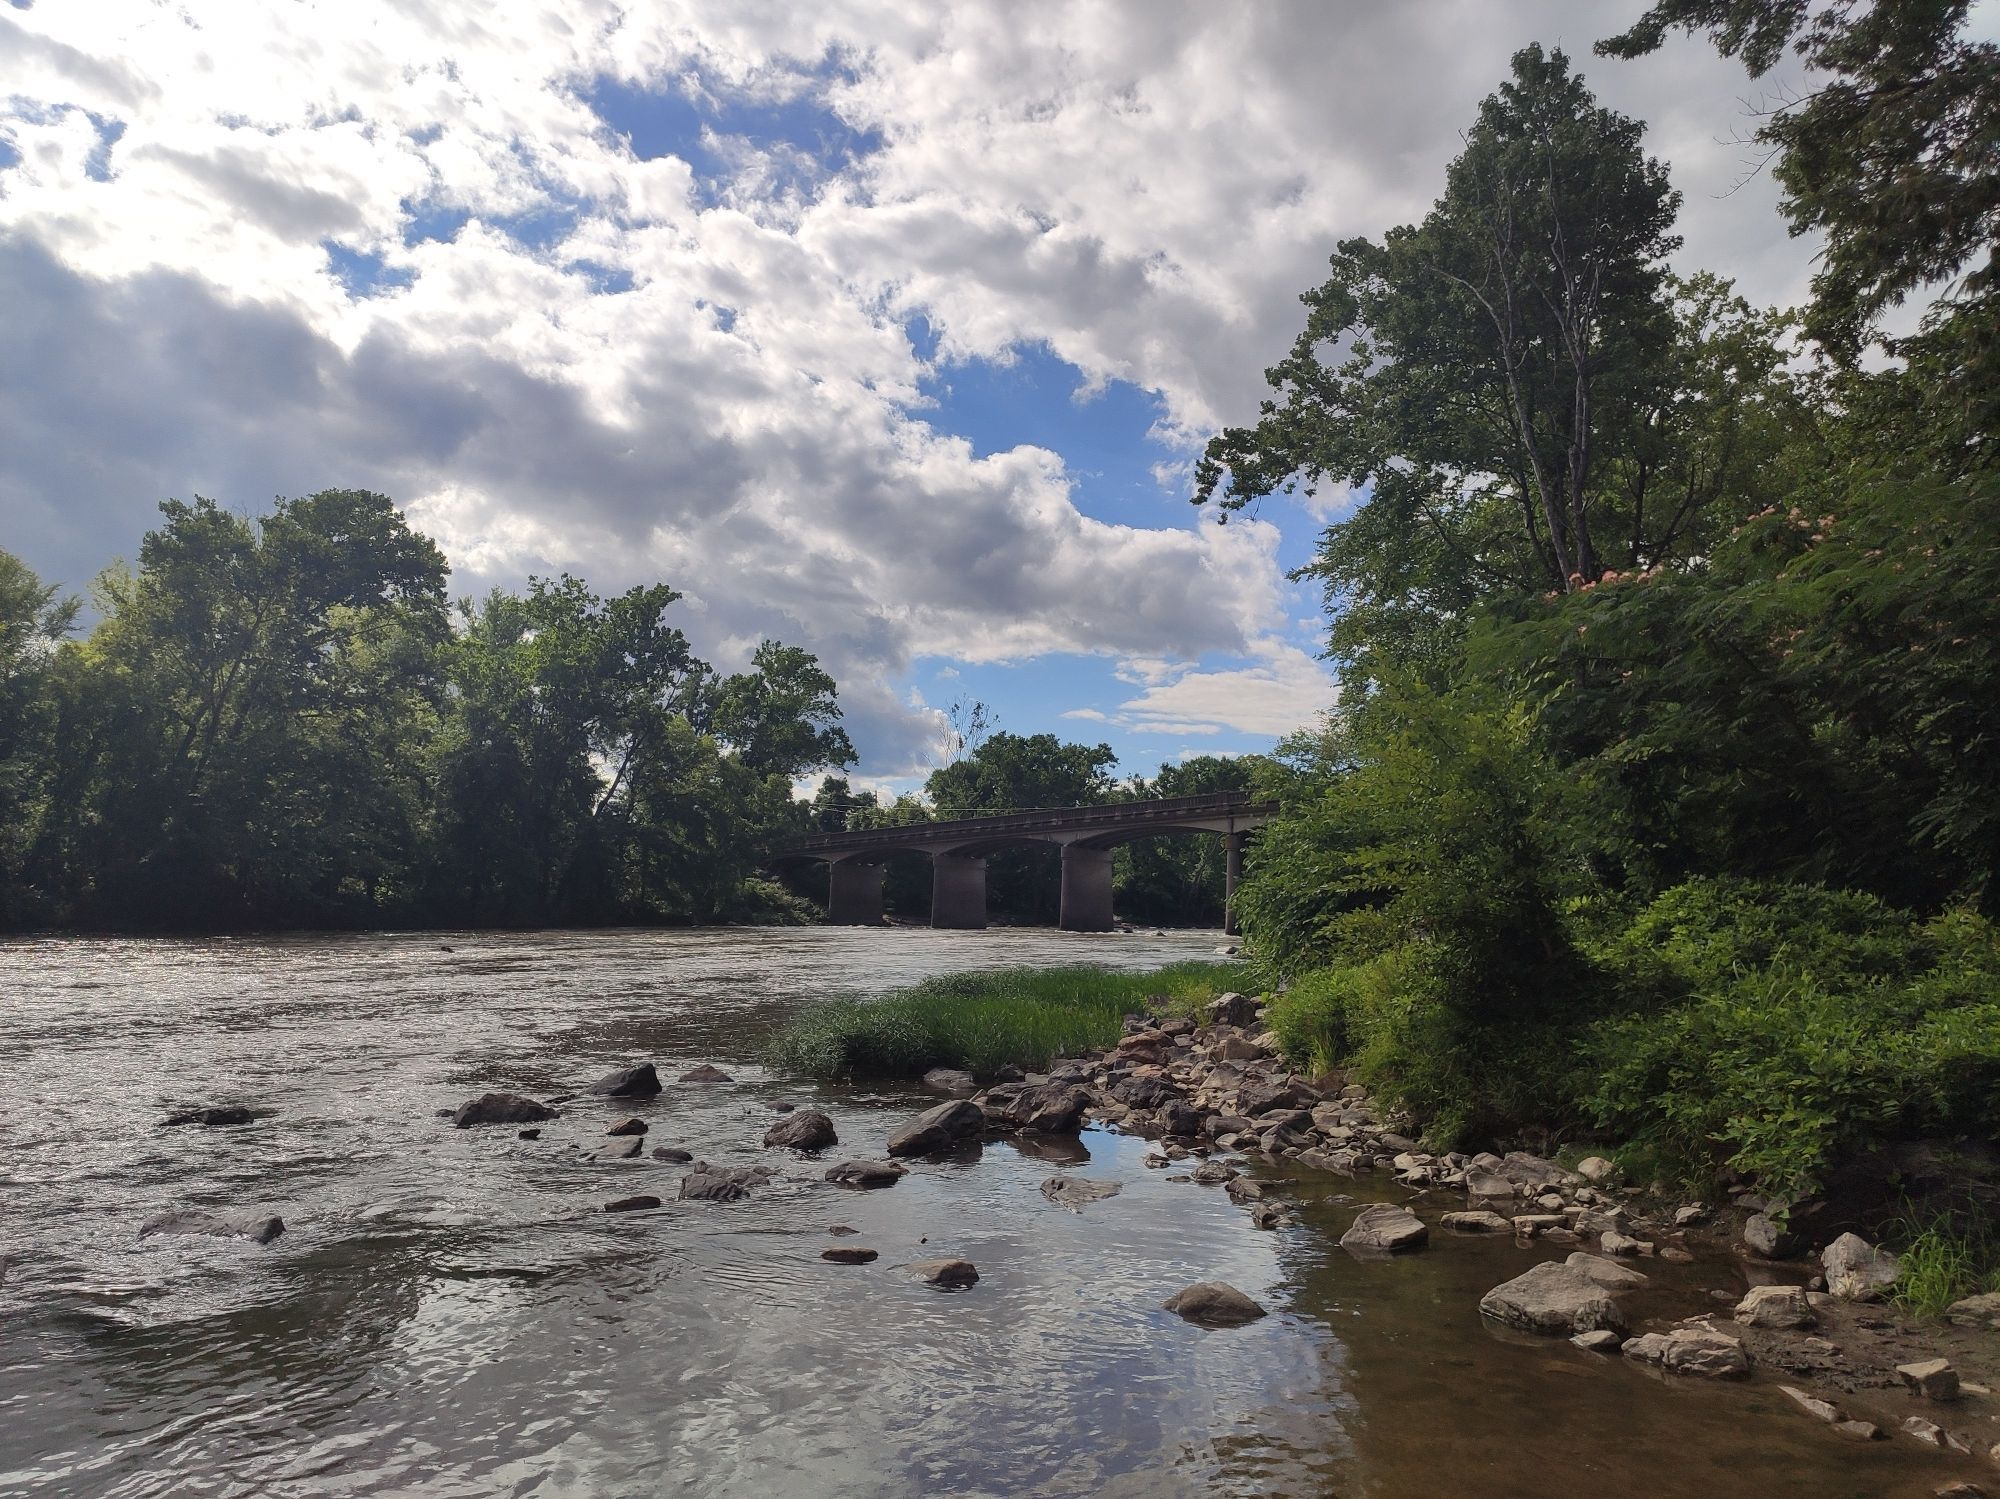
(887, 329)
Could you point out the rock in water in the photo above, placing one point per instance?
(1552, 1298)
(620, 1150)
(1076, 1192)
(1607, 1273)
(842, 1254)
(260, 1228)
(642, 1081)
(951, 1080)
(1701, 1352)
(867, 1173)
(948, 1273)
(706, 1074)
(632, 1204)
(211, 1115)
(628, 1127)
(1213, 1303)
(501, 1108)
(939, 1128)
(806, 1129)
(1480, 1222)
(1385, 1229)
(671, 1153)
(708, 1183)
(1046, 1109)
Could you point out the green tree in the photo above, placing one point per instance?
(1180, 881)
(783, 715)
(33, 618)
(1017, 772)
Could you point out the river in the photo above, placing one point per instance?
(451, 1312)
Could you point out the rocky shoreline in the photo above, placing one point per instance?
(1224, 1110)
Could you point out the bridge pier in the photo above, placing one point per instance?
(1086, 889)
(1232, 877)
(854, 893)
(958, 891)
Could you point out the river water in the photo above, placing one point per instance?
(452, 1313)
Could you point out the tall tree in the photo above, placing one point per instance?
(783, 715)
(1013, 772)
(33, 617)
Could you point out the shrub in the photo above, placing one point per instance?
(1779, 1027)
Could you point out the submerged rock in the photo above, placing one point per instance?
(950, 1080)
(671, 1153)
(625, 1149)
(938, 1129)
(950, 1274)
(1701, 1352)
(867, 1173)
(708, 1183)
(1385, 1229)
(216, 1223)
(1214, 1303)
(633, 1204)
(806, 1129)
(706, 1074)
(212, 1114)
(642, 1081)
(1555, 1299)
(500, 1108)
(628, 1127)
(842, 1254)
(1077, 1192)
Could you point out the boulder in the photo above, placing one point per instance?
(1554, 1299)
(500, 1108)
(671, 1153)
(1601, 1341)
(1527, 1170)
(1476, 1223)
(632, 1204)
(1232, 1009)
(938, 1129)
(221, 1223)
(950, 1080)
(845, 1254)
(1700, 1352)
(1623, 1246)
(866, 1173)
(1385, 1228)
(213, 1114)
(949, 1274)
(705, 1074)
(1764, 1236)
(1213, 1174)
(1607, 1273)
(642, 1081)
(1976, 1311)
(1076, 1192)
(805, 1129)
(1597, 1169)
(1262, 1095)
(708, 1183)
(620, 1150)
(1933, 1379)
(1775, 1307)
(1856, 1270)
(1046, 1109)
(1488, 1189)
(1212, 1303)
(1234, 1048)
(628, 1127)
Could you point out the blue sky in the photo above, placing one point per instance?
(889, 330)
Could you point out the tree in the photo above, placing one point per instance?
(1180, 881)
(1479, 374)
(1892, 158)
(783, 715)
(33, 618)
(1017, 772)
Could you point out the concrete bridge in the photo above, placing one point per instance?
(857, 860)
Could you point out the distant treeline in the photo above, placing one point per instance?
(285, 722)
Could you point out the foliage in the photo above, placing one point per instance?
(277, 722)
(1775, 1028)
(1942, 1258)
(983, 1021)
(1179, 881)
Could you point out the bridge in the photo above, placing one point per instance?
(857, 860)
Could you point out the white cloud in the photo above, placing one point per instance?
(617, 368)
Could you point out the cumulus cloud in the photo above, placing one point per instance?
(251, 250)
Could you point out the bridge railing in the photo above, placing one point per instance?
(1046, 819)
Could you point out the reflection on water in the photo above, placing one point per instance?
(452, 1313)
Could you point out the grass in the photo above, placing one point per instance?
(1945, 1258)
(983, 1021)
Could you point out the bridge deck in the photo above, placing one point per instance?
(1164, 812)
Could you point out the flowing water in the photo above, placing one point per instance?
(452, 1313)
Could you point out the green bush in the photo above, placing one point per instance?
(982, 1021)
(1778, 1027)
(1943, 1258)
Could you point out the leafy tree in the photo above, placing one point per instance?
(1891, 157)
(33, 617)
(1182, 880)
(783, 715)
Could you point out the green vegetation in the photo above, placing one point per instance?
(1945, 1257)
(284, 723)
(1662, 799)
(982, 1021)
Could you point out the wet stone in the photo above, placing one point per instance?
(807, 1129)
(948, 1274)
(628, 1127)
(640, 1081)
(225, 1223)
(500, 1108)
(635, 1204)
(867, 1173)
(844, 1254)
(210, 1115)
(672, 1153)
(1214, 1303)
(706, 1074)
(1078, 1192)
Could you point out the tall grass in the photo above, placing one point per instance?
(983, 1021)
(1945, 1258)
